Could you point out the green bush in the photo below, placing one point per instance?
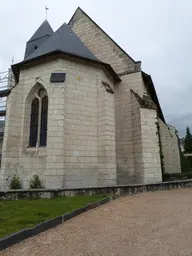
(177, 176)
(185, 163)
(189, 160)
(35, 182)
(15, 182)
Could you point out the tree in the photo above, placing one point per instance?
(188, 141)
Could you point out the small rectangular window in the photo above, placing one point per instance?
(57, 77)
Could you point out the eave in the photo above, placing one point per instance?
(55, 54)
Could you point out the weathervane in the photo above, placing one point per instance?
(46, 9)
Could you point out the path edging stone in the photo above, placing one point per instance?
(29, 232)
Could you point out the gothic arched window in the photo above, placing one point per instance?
(38, 124)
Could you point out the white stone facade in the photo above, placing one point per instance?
(170, 148)
(94, 138)
(106, 49)
(80, 147)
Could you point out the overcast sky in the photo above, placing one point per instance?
(157, 32)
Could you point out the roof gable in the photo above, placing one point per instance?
(103, 45)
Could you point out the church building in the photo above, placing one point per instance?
(82, 113)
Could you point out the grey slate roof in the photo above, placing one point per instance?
(39, 37)
(64, 40)
(43, 30)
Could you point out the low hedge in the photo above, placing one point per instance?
(177, 176)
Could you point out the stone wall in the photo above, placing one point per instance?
(106, 136)
(12, 133)
(170, 148)
(145, 144)
(150, 145)
(1, 146)
(122, 190)
(90, 130)
(80, 147)
(106, 50)
(137, 140)
(124, 125)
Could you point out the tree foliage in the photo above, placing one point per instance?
(188, 141)
(35, 182)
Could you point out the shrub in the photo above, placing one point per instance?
(189, 160)
(177, 176)
(186, 165)
(15, 182)
(35, 182)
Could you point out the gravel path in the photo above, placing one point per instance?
(154, 223)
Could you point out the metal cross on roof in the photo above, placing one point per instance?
(46, 9)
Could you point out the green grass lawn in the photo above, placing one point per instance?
(20, 214)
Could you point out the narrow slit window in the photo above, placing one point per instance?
(43, 128)
(34, 122)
